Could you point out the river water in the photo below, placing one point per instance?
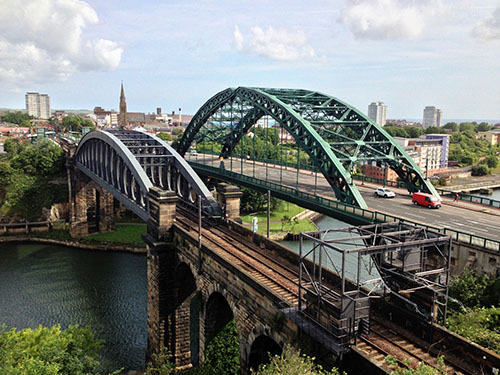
(48, 284)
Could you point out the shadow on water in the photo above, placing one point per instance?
(47, 285)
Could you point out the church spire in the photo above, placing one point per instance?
(123, 109)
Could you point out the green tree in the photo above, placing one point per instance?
(75, 124)
(16, 118)
(479, 170)
(464, 126)
(414, 132)
(164, 136)
(178, 132)
(481, 325)
(453, 126)
(49, 351)
(292, 362)
(483, 127)
(492, 161)
(41, 158)
(222, 353)
(435, 130)
(469, 287)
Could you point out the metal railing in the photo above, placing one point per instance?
(322, 204)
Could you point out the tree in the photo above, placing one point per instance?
(75, 124)
(469, 287)
(292, 362)
(479, 170)
(177, 132)
(16, 118)
(164, 136)
(41, 158)
(252, 201)
(453, 126)
(492, 161)
(483, 127)
(49, 351)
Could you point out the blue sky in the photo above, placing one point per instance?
(173, 54)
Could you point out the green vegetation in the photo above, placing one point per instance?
(422, 368)
(164, 136)
(281, 219)
(75, 124)
(480, 322)
(21, 119)
(464, 146)
(25, 178)
(292, 362)
(49, 351)
(124, 234)
(222, 356)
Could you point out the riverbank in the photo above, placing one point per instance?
(76, 244)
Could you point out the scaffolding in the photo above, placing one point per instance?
(346, 268)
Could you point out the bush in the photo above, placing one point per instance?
(480, 325)
(479, 170)
(292, 362)
(161, 364)
(49, 351)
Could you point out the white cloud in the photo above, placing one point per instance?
(388, 19)
(274, 44)
(489, 28)
(42, 40)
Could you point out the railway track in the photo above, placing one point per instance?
(272, 274)
(383, 341)
(282, 280)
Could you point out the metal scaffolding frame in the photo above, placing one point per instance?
(413, 264)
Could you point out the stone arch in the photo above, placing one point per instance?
(260, 351)
(218, 314)
(91, 207)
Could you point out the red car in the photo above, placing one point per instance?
(425, 199)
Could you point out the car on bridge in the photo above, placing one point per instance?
(425, 199)
(384, 192)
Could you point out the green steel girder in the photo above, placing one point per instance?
(334, 134)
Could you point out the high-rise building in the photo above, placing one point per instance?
(38, 105)
(432, 116)
(377, 111)
(123, 109)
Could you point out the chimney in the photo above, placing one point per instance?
(180, 117)
(158, 111)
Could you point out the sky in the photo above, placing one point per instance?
(177, 54)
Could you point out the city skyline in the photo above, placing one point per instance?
(407, 54)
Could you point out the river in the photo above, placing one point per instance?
(48, 284)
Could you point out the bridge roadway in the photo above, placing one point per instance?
(465, 217)
(280, 278)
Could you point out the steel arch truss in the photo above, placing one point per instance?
(128, 163)
(334, 134)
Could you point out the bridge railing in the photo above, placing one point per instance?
(367, 215)
(379, 181)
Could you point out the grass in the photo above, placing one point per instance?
(125, 234)
(285, 209)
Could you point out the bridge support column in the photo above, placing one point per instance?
(229, 196)
(86, 194)
(160, 267)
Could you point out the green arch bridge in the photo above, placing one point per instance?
(335, 136)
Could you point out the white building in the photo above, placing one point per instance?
(38, 105)
(432, 116)
(377, 111)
